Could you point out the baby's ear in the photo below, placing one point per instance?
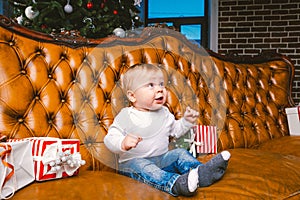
(131, 96)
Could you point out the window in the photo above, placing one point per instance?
(191, 18)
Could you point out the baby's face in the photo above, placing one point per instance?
(152, 94)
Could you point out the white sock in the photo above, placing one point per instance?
(193, 180)
(226, 155)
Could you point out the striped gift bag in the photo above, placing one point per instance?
(207, 136)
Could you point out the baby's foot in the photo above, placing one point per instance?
(213, 170)
(186, 184)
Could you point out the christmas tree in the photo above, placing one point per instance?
(91, 18)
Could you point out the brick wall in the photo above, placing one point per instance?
(251, 26)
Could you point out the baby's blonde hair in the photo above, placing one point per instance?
(136, 76)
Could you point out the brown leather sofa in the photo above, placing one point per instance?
(67, 87)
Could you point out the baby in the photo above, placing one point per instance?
(140, 136)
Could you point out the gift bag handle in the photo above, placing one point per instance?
(12, 193)
(3, 155)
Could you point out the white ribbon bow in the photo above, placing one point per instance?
(193, 143)
(61, 161)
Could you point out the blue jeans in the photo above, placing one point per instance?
(162, 171)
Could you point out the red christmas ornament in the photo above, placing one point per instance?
(44, 26)
(89, 5)
(115, 12)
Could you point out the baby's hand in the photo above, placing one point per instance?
(130, 141)
(190, 115)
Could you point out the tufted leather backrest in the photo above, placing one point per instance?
(68, 88)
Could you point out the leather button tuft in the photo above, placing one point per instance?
(241, 126)
(20, 120)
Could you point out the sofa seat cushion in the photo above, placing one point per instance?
(251, 174)
(287, 145)
(256, 174)
(90, 185)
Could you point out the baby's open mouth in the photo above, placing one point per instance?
(159, 98)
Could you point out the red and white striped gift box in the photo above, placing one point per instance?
(45, 152)
(208, 137)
